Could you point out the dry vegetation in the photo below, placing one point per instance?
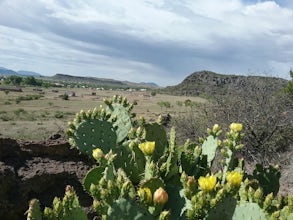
(47, 113)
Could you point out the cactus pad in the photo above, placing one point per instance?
(127, 209)
(248, 211)
(223, 210)
(93, 177)
(209, 148)
(120, 111)
(95, 133)
(268, 178)
(157, 133)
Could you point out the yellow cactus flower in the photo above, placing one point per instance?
(236, 127)
(97, 153)
(207, 183)
(145, 194)
(147, 148)
(234, 178)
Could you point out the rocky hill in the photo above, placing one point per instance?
(206, 83)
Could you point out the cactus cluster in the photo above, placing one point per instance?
(66, 209)
(143, 174)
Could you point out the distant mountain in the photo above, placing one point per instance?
(4, 71)
(207, 83)
(28, 73)
(102, 82)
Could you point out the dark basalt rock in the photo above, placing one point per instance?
(38, 170)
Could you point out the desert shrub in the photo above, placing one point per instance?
(164, 104)
(19, 111)
(289, 87)
(27, 98)
(7, 103)
(268, 121)
(65, 96)
(179, 103)
(5, 117)
(59, 114)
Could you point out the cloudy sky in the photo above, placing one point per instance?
(160, 41)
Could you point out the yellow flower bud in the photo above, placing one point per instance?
(234, 178)
(97, 153)
(216, 128)
(207, 183)
(145, 194)
(236, 127)
(147, 148)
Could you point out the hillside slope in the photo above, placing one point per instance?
(206, 83)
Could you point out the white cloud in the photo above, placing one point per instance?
(147, 40)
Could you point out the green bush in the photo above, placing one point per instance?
(19, 111)
(7, 103)
(65, 96)
(59, 114)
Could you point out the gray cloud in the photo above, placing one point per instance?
(157, 41)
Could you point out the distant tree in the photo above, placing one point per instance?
(164, 104)
(167, 105)
(32, 81)
(153, 93)
(161, 104)
(187, 102)
(14, 80)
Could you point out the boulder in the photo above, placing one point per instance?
(39, 170)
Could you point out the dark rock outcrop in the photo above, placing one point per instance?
(207, 83)
(38, 170)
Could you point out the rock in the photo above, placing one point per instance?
(38, 170)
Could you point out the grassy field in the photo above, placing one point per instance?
(35, 115)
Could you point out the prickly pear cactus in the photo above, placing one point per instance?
(192, 161)
(34, 212)
(223, 210)
(127, 209)
(120, 110)
(170, 166)
(93, 177)
(68, 208)
(156, 132)
(131, 160)
(140, 174)
(92, 130)
(93, 134)
(268, 178)
(250, 211)
(209, 148)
